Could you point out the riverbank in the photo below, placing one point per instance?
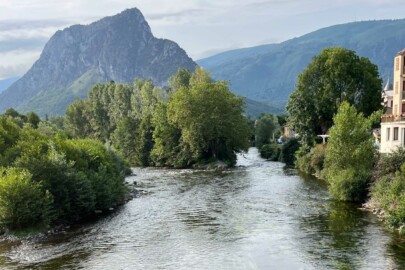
(133, 191)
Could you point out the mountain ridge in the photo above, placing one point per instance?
(268, 72)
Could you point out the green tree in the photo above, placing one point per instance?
(147, 97)
(181, 79)
(23, 202)
(210, 118)
(334, 76)
(124, 139)
(265, 127)
(33, 119)
(199, 77)
(77, 119)
(288, 150)
(349, 155)
(167, 147)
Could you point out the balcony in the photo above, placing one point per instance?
(389, 118)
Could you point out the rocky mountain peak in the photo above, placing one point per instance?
(120, 48)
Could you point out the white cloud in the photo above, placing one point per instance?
(201, 27)
(17, 62)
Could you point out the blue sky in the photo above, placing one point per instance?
(201, 27)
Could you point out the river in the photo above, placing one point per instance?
(256, 216)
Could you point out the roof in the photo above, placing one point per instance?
(401, 52)
(388, 86)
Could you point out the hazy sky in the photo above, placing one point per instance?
(201, 27)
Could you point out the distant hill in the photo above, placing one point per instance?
(256, 108)
(119, 48)
(4, 84)
(268, 73)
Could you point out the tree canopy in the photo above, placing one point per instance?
(197, 119)
(266, 126)
(210, 118)
(334, 76)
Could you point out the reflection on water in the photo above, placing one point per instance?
(256, 216)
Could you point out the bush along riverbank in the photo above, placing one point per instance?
(355, 171)
(47, 179)
(267, 128)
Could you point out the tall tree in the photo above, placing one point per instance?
(210, 118)
(265, 127)
(349, 155)
(180, 79)
(334, 76)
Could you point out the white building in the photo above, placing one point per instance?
(393, 121)
(388, 97)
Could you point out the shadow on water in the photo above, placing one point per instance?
(339, 235)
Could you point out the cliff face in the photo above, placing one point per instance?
(120, 48)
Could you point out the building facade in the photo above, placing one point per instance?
(393, 121)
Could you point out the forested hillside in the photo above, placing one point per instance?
(269, 72)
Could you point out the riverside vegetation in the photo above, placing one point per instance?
(62, 170)
(195, 121)
(340, 93)
(46, 177)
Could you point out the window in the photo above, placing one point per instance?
(388, 134)
(396, 134)
(392, 103)
(396, 87)
(397, 63)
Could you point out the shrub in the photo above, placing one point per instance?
(390, 163)
(288, 149)
(349, 184)
(311, 162)
(270, 152)
(79, 175)
(22, 201)
(303, 164)
(388, 194)
(82, 175)
(317, 159)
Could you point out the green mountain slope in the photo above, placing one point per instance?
(269, 72)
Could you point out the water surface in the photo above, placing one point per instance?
(256, 216)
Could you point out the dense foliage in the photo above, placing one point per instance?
(196, 120)
(311, 162)
(349, 156)
(388, 188)
(23, 202)
(266, 127)
(334, 76)
(270, 151)
(288, 150)
(45, 177)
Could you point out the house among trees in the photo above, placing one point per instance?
(393, 121)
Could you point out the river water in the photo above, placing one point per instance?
(256, 216)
